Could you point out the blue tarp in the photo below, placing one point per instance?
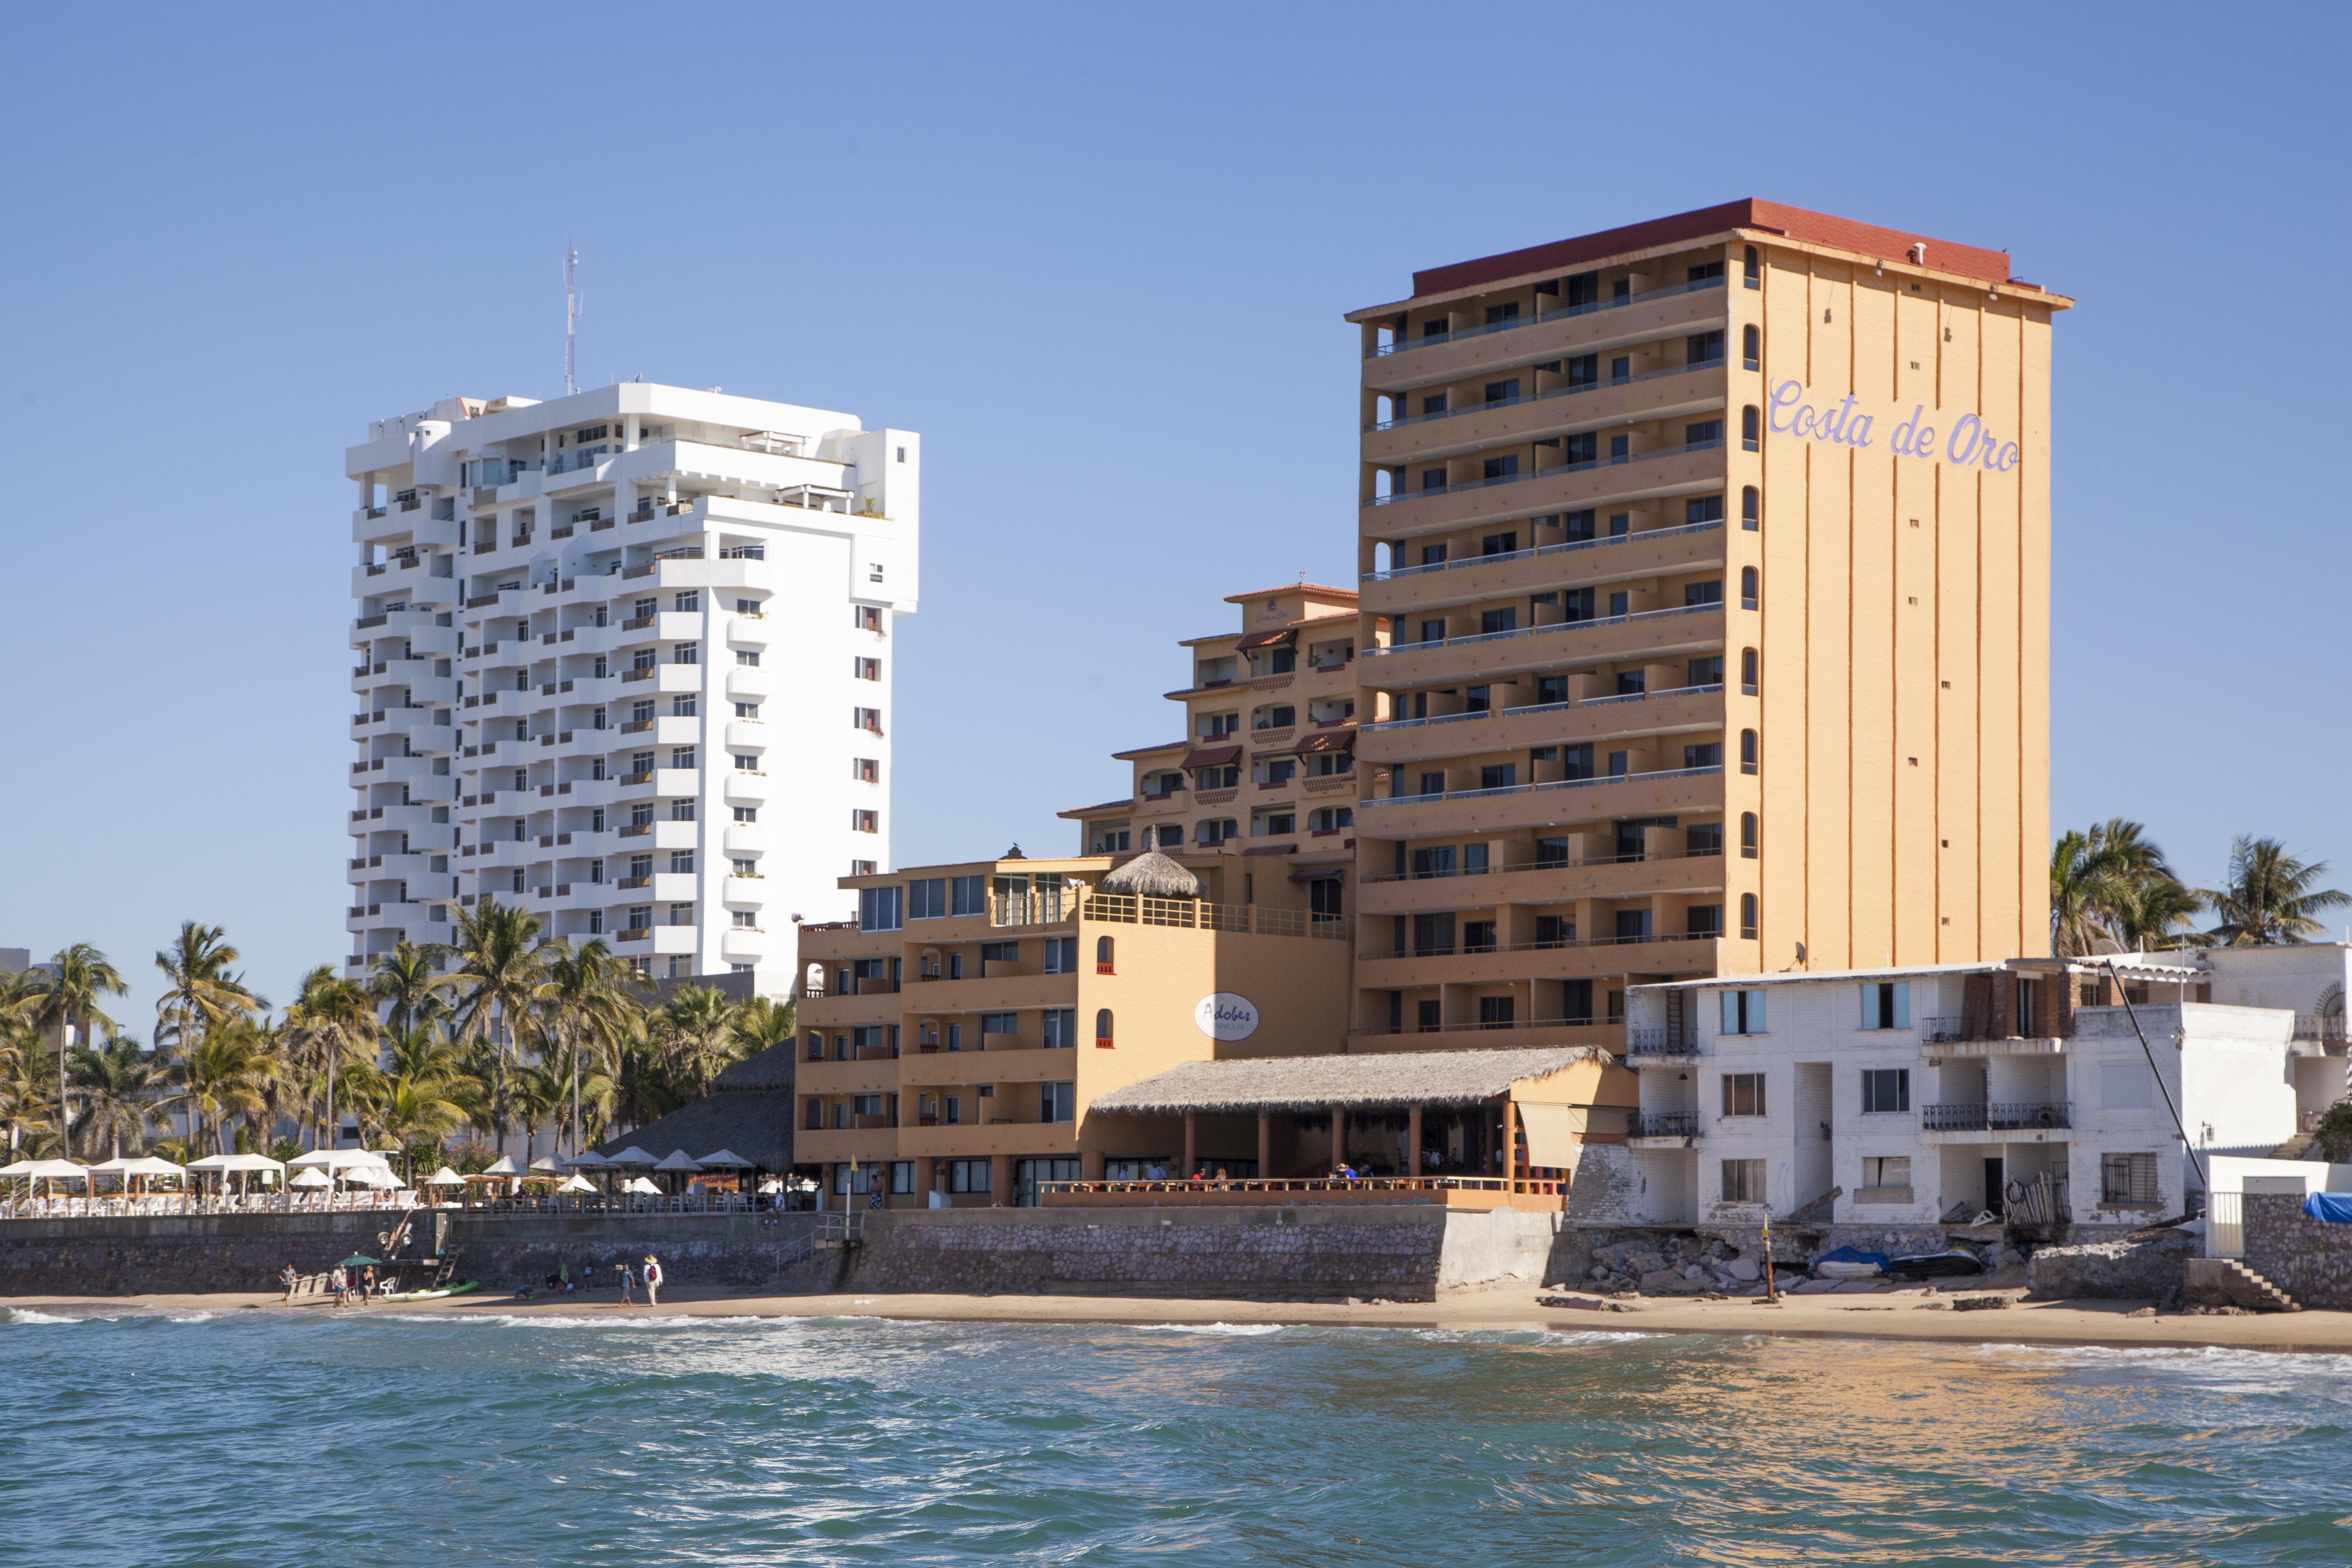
(1854, 1255)
(2336, 1209)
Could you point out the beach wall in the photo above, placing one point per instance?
(1397, 1252)
(2309, 1259)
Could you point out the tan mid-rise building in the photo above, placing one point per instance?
(956, 1034)
(1703, 619)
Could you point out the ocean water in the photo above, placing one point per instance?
(260, 1439)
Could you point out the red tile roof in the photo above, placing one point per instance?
(1797, 222)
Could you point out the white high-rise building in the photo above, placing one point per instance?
(625, 662)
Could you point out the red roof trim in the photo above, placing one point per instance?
(1798, 223)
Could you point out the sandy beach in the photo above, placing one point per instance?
(1906, 1315)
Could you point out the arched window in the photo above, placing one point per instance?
(1747, 836)
(1751, 507)
(1751, 268)
(1750, 430)
(1102, 1028)
(1103, 958)
(1751, 344)
(1751, 669)
(1746, 751)
(1748, 588)
(1748, 917)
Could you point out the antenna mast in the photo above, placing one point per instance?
(570, 316)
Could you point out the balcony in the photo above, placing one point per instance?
(1661, 1128)
(1608, 877)
(1559, 790)
(1512, 963)
(1672, 710)
(1650, 553)
(1681, 629)
(1658, 1046)
(1676, 392)
(1524, 340)
(1998, 1118)
(1683, 470)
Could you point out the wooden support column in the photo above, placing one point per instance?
(1338, 1139)
(1510, 1137)
(1192, 1143)
(1413, 1141)
(1090, 1165)
(1264, 1144)
(1000, 1180)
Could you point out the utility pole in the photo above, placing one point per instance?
(571, 317)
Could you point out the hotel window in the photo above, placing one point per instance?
(1743, 1094)
(1748, 917)
(1559, 931)
(1751, 268)
(1503, 391)
(744, 868)
(998, 1024)
(683, 706)
(1498, 314)
(1703, 755)
(681, 756)
(866, 719)
(1703, 508)
(1620, 448)
(689, 653)
(1743, 1181)
(1748, 588)
(967, 894)
(1703, 592)
(1060, 955)
(866, 668)
(681, 860)
(1886, 1004)
(1217, 830)
(1703, 921)
(1747, 836)
(1885, 1089)
(1704, 433)
(1433, 404)
(1584, 370)
(1707, 672)
(1500, 468)
(1707, 272)
(865, 770)
(746, 921)
(861, 868)
(1751, 348)
(965, 1176)
(865, 822)
(747, 814)
(2128, 1179)
(1885, 1179)
(1433, 479)
(1704, 348)
(815, 1120)
(743, 656)
(927, 899)
(1104, 1039)
(1750, 430)
(681, 811)
(689, 601)
(877, 909)
(1751, 507)
(1059, 1026)
(1576, 451)
(1750, 668)
(867, 619)
(1743, 1013)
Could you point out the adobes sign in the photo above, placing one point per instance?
(1225, 1015)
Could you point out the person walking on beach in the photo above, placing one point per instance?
(652, 1280)
(628, 1284)
(335, 1282)
(287, 1278)
(367, 1283)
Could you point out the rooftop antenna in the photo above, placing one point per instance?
(571, 315)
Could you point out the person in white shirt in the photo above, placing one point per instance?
(652, 1280)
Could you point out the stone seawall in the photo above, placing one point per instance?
(1290, 1253)
(2310, 1260)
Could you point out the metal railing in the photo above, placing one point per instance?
(1658, 1042)
(1383, 351)
(1369, 801)
(1544, 396)
(1533, 708)
(1609, 462)
(1626, 619)
(2015, 1117)
(1662, 1124)
(1136, 908)
(1600, 542)
(1560, 865)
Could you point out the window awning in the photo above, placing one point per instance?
(1329, 741)
(1319, 874)
(1210, 756)
(1267, 639)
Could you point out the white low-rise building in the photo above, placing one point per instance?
(625, 662)
(1919, 1097)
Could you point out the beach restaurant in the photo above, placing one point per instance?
(1469, 1128)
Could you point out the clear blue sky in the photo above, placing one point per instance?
(1097, 256)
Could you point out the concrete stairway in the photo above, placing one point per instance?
(2268, 1297)
(2296, 1147)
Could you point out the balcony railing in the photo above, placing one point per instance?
(1609, 462)
(1662, 1124)
(1996, 1118)
(1602, 543)
(1133, 909)
(1559, 865)
(1544, 396)
(1386, 724)
(1656, 1042)
(1661, 773)
(1383, 351)
(1596, 621)
(1446, 949)
(1485, 1025)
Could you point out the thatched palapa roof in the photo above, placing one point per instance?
(749, 1111)
(1386, 1081)
(1155, 876)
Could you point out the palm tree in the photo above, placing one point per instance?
(2269, 898)
(2112, 882)
(223, 1076)
(332, 1019)
(536, 1095)
(121, 1084)
(408, 979)
(501, 965)
(762, 1021)
(78, 975)
(201, 993)
(416, 1109)
(585, 998)
(697, 1038)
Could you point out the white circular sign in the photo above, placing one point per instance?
(1226, 1015)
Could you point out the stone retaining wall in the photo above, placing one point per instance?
(1323, 1251)
(2309, 1259)
(2116, 1271)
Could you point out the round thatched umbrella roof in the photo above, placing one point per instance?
(1154, 875)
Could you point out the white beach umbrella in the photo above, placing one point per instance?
(445, 1177)
(312, 1178)
(237, 1162)
(370, 1176)
(51, 1170)
(546, 1166)
(505, 1167)
(632, 1156)
(20, 1168)
(639, 1184)
(577, 1184)
(144, 1165)
(588, 1161)
(336, 1159)
(725, 1160)
(676, 1160)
